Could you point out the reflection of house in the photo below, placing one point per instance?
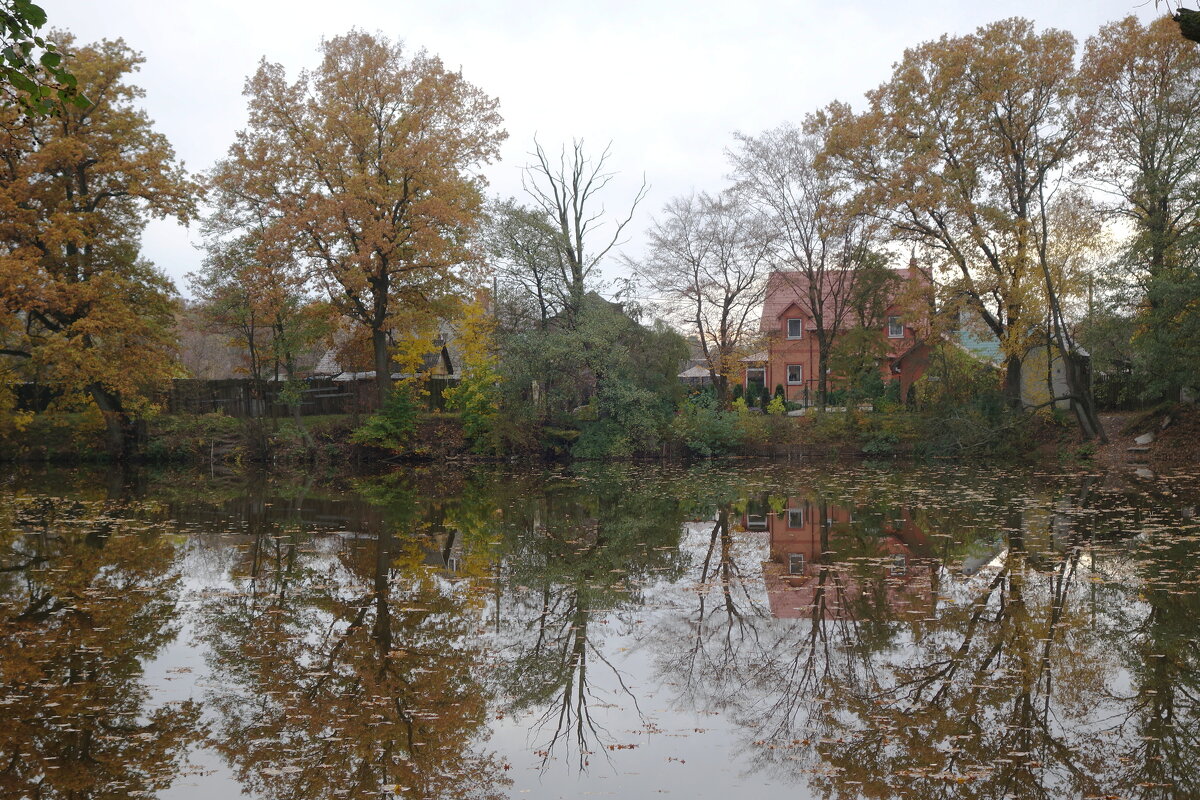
(804, 578)
(791, 359)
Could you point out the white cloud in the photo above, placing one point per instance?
(667, 81)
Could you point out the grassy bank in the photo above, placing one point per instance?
(216, 438)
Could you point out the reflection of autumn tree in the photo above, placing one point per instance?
(1157, 754)
(576, 555)
(86, 596)
(992, 694)
(361, 678)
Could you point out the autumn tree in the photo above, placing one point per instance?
(264, 310)
(708, 259)
(82, 309)
(1141, 87)
(964, 149)
(818, 238)
(367, 168)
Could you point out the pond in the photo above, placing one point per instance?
(815, 630)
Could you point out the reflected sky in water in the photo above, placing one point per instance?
(629, 630)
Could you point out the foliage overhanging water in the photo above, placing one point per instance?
(831, 631)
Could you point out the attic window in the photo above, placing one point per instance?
(895, 328)
(795, 328)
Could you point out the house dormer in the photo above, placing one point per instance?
(792, 322)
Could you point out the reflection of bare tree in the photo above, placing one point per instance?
(725, 631)
(87, 594)
(573, 558)
(1158, 724)
(1004, 691)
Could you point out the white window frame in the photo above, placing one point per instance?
(788, 374)
(895, 328)
(760, 370)
(788, 328)
(796, 521)
(796, 563)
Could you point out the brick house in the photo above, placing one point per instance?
(792, 356)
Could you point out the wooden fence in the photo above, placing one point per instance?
(236, 397)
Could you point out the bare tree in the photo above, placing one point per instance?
(709, 259)
(818, 240)
(568, 192)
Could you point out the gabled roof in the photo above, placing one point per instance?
(786, 288)
(696, 372)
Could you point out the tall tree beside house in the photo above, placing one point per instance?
(1141, 87)
(368, 168)
(965, 149)
(859, 350)
(818, 236)
(708, 258)
(83, 310)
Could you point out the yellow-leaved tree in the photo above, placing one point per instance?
(367, 168)
(967, 150)
(81, 310)
(477, 395)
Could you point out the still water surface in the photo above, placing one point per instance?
(628, 631)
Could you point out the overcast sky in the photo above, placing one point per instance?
(667, 82)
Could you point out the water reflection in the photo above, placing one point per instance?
(573, 559)
(347, 668)
(849, 633)
(88, 593)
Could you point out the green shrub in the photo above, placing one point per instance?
(391, 427)
(706, 430)
(880, 443)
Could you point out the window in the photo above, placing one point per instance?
(895, 328)
(756, 375)
(795, 563)
(795, 518)
(756, 522)
(795, 374)
(795, 329)
(899, 564)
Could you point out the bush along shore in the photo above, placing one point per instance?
(698, 429)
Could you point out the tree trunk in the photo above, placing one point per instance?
(1082, 402)
(383, 367)
(822, 371)
(1012, 381)
(121, 439)
(721, 389)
